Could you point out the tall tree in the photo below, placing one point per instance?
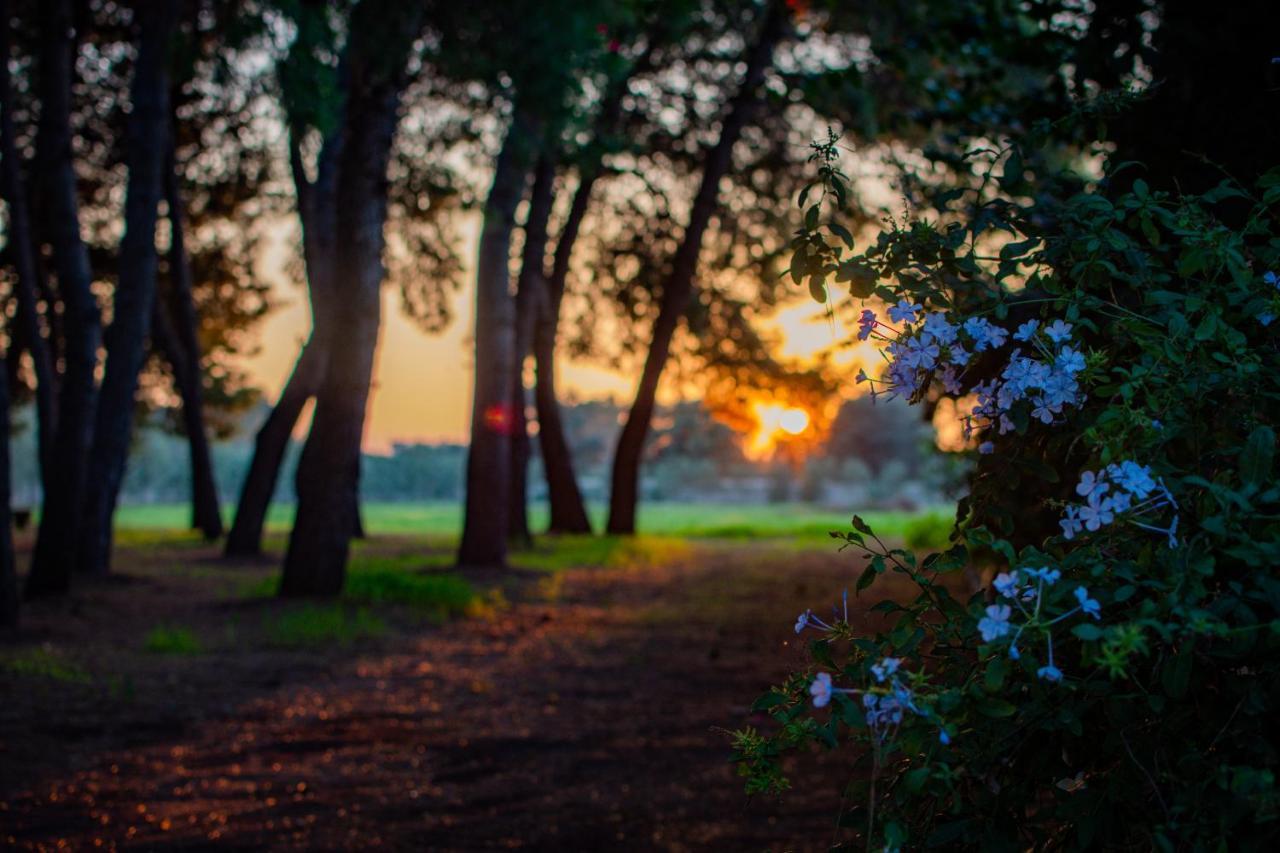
(26, 333)
(132, 304)
(381, 37)
(9, 597)
(531, 295)
(54, 555)
(678, 286)
(568, 512)
(488, 502)
(178, 306)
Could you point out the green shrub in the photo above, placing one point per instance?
(170, 640)
(322, 625)
(1118, 686)
(440, 594)
(930, 532)
(44, 662)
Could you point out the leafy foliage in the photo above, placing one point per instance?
(1116, 684)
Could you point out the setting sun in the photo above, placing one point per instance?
(774, 421)
(794, 421)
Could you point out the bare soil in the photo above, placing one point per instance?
(588, 712)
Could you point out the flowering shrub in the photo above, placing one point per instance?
(1114, 357)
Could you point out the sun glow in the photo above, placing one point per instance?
(774, 423)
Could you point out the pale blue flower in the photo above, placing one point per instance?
(1090, 483)
(1049, 673)
(802, 621)
(936, 324)
(1026, 331)
(1070, 523)
(959, 355)
(1271, 278)
(1047, 575)
(1088, 605)
(1266, 318)
(866, 324)
(986, 448)
(1006, 583)
(996, 623)
(904, 312)
(1070, 360)
(943, 737)
(1097, 512)
(886, 668)
(820, 690)
(1058, 331)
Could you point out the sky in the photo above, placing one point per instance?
(422, 382)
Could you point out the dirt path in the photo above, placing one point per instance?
(589, 721)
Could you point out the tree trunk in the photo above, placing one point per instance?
(9, 598)
(317, 210)
(485, 525)
(678, 286)
(26, 327)
(206, 516)
(54, 556)
(135, 288)
(530, 296)
(568, 510)
(329, 470)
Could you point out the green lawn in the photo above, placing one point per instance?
(661, 519)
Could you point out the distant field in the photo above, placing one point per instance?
(664, 519)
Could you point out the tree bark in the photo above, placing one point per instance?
(206, 516)
(568, 510)
(679, 284)
(530, 296)
(26, 327)
(135, 288)
(9, 598)
(54, 555)
(329, 470)
(317, 211)
(488, 501)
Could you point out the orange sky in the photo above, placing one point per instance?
(422, 382)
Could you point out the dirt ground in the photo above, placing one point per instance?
(587, 712)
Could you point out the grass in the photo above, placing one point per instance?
(44, 662)
(443, 595)
(169, 640)
(311, 625)
(139, 523)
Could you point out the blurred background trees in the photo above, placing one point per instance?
(622, 174)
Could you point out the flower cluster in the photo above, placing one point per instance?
(1028, 588)
(1041, 374)
(1124, 490)
(884, 703)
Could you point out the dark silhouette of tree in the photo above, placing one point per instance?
(132, 303)
(59, 532)
(381, 36)
(677, 287)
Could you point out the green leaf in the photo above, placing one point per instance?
(867, 577)
(1258, 456)
(990, 706)
(1087, 631)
